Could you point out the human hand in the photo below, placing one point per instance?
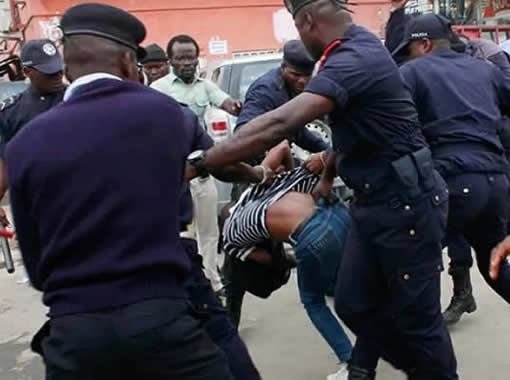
(237, 106)
(3, 218)
(266, 175)
(498, 254)
(323, 190)
(315, 163)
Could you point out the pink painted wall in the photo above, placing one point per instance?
(246, 24)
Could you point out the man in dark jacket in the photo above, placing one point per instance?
(95, 186)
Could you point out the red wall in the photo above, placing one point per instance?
(245, 24)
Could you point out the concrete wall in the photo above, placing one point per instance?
(246, 25)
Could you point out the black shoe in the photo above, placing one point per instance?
(462, 300)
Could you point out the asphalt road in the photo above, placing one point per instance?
(281, 339)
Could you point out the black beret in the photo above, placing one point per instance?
(154, 53)
(294, 53)
(294, 6)
(105, 21)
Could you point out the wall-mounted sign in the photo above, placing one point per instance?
(218, 47)
(419, 6)
(51, 29)
(283, 26)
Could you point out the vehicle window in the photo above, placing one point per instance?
(251, 71)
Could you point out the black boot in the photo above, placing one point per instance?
(356, 373)
(462, 300)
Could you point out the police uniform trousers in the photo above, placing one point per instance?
(388, 287)
(478, 217)
(156, 339)
(212, 314)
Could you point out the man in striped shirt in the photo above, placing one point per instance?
(287, 211)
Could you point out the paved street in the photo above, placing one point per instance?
(279, 335)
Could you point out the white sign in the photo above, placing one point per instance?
(419, 6)
(283, 26)
(218, 47)
(51, 30)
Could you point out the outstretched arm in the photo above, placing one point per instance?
(266, 131)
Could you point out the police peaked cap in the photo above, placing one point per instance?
(105, 21)
(429, 26)
(294, 6)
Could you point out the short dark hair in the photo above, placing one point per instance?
(182, 39)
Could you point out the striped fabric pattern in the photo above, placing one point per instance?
(246, 227)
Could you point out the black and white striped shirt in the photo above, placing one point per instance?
(246, 227)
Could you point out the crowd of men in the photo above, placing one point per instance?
(112, 185)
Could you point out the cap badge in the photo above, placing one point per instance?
(49, 49)
(419, 35)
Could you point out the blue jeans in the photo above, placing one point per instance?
(319, 247)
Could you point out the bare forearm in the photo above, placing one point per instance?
(265, 131)
(240, 172)
(329, 172)
(259, 136)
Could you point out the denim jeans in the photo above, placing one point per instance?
(319, 247)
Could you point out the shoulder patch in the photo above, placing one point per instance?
(9, 102)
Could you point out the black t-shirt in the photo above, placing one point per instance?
(375, 120)
(459, 100)
(17, 111)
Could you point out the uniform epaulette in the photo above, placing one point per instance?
(9, 102)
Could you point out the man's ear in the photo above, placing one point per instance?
(428, 46)
(128, 67)
(27, 72)
(308, 21)
(67, 74)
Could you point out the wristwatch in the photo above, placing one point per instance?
(196, 159)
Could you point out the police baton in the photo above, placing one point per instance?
(6, 250)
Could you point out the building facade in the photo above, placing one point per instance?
(223, 28)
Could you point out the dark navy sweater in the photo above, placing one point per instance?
(95, 186)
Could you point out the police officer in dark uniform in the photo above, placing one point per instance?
(95, 185)
(274, 89)
(277, 87)
(43, 66)
(463, 129)
(459, 249)
(395, 28)
(388, 288)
